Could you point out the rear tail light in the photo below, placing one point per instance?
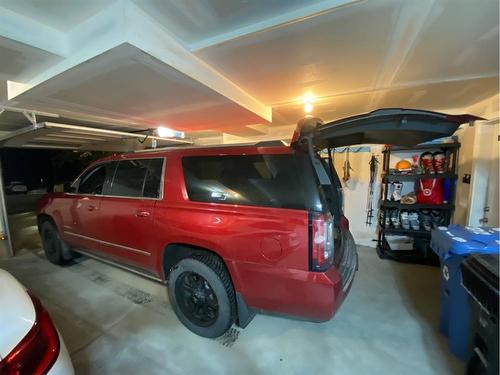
(322, 243)
(37, 351)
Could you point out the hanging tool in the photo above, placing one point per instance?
(373, 176)
(347, 167)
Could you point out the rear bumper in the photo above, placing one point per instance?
(347, 269)
(308, 295)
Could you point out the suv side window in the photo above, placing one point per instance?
(152, 185)
(92, 182)
(129, 178)
(257, 180)
(136, 178)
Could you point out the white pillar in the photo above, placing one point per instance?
(6, 249)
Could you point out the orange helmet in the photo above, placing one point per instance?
(403, 165)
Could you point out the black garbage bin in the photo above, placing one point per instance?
(480, 279)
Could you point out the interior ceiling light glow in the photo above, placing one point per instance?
(164, 132)
(308, 97)
(308, 107)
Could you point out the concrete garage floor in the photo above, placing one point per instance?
(116, 322)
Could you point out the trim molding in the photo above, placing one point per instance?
(118, 265)
(108, 243)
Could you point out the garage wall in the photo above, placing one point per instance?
(466, 136)
(479, 158)
(356, 190)
(356, 193)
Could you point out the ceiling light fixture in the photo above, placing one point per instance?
(308, 107)
(164, 132)
(308, 99)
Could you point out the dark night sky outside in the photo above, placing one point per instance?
(53, 166)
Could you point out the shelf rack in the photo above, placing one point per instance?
(421, 252)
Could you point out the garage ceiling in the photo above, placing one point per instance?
(238, 70)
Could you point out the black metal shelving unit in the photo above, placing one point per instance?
(421, 252)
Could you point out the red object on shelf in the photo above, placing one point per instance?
(430, 191)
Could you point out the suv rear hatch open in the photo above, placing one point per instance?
(399, 127)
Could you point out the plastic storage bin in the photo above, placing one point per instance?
(453, 245)
(480, 279)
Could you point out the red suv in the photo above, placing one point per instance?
(234, 230)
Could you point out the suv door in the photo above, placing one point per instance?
(81, 227)
(401, 127)
(127, 212)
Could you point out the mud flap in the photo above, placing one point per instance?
(245, 313)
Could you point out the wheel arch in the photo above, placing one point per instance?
(175, 252)
(42, 218)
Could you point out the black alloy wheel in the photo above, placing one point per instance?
(202, 295)
(197, 299)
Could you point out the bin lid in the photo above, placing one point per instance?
(461, 240)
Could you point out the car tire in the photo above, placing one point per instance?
(202, 295)
(52, 244)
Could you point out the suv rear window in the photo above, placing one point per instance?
(284, 181)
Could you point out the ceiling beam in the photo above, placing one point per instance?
(25, 30)
(95, 36)
(124, 22)
(151, 37)
(281, 20)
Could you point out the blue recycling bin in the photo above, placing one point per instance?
(453, 244)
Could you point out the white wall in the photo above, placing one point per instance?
(356, 193)
(466, 136)
(479, 158)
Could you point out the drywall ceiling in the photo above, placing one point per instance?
(241, 68)
(57, 14)
(127, 84)
(20, 62)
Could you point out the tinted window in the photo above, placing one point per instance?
(129, 178)
(152, 186)
(92, 182)
(263, 180)
(137, 178)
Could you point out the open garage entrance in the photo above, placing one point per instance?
(28, 174)
(41, 157)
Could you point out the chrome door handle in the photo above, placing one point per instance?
(142, 213)
(91, 208)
